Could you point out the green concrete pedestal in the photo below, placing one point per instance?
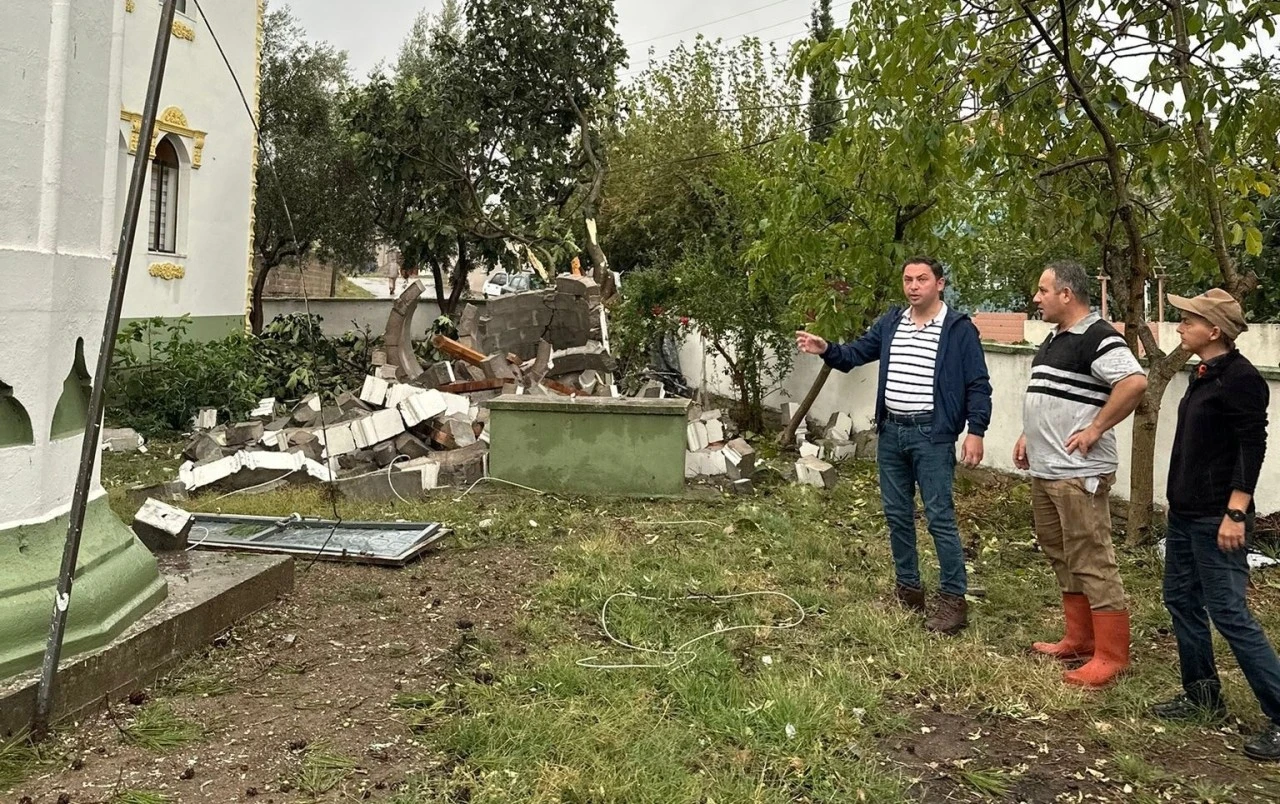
(116, 583)
(593, 445)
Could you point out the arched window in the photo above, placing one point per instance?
(163, 234)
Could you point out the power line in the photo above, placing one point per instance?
(703, 25)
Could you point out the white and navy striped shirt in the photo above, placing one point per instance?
(913, 353)
(1071, 380)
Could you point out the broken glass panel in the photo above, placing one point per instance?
(387, 543)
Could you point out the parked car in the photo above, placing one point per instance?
(501, 283)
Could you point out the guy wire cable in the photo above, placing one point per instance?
(306, 300)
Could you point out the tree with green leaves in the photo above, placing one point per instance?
(305, 204)
(825, 110)
(702, 132)
(484, 133)
(1137, 130)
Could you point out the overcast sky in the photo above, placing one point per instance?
(372, 30)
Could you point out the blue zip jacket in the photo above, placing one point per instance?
(961, 384)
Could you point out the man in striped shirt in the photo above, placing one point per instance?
(1084, 381)
(933, 385)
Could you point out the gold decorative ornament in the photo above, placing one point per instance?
(170, 121)
(167, 270)
(128, 6)
(181, 30)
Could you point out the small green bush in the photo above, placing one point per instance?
(160, 376)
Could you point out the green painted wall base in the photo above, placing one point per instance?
(632, 447)
(116, 583)
(205, 328)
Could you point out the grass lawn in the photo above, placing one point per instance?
(458, 679)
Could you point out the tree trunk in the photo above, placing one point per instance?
(458, 282)
(1142, 457)
(787, 437)
(333, 281)
(255, 303)
(437, 278)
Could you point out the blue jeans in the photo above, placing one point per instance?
(908, 459)
(1202, 583)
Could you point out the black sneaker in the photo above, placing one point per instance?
(1265, 745)
(1184, 707)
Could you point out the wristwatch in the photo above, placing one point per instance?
(1235, 515)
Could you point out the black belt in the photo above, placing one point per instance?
(909, 418)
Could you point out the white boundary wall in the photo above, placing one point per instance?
(1010, 368)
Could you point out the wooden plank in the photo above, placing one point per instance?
(467, 386)
(456, 350)
(560, 388)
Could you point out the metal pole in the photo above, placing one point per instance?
(89, 448)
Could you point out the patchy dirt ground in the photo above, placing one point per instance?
(310, 676)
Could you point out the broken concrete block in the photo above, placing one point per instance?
(307, 411)
(275, 461)
(374, 391)
(715, 414)
(410, 446)
(652, 390)
(357, 463)
(378, 357)
(202, 448)
(266, 409)
(715, 431)
(124, 439)
(866, 445)
(456, 405)
(709, 462)
(740, 459)
(387, 373)
(195, 476)
(384, 486)
(541, 363)
(276, 425)
(460, 430)
(379, 426)
(436, 375)
(243, 433)
(808, 449)
(424, 405)
(468, 320)
(816, 472)
(497, 367)
(336, 439)
(835, 451)
(743, 485)
(348, 402)
(589, 381)
(399, 392)
(463, 466)
(696, 436)
(205, 419)
(384, 453)
(161, 526)
(840, 426)
(301, 441)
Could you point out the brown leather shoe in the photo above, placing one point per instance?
(950, 614)
(910, 597)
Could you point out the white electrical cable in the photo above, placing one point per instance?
(202, 541)
(681, 656)
(496, 480)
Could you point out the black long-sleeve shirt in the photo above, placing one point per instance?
(1221, 437)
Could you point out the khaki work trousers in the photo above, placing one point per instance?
(1073, 527)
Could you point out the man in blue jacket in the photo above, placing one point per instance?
(933, 384)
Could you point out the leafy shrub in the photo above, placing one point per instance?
(160, 376)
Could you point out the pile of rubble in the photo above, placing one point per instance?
(412, 427)
(839, 443)
(714, 451)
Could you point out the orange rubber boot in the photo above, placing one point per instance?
(1077, 643)
(1111, 651)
